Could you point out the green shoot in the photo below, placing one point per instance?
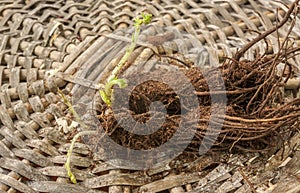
(107, 93)
(68, 162)
(71, 108)
(85, 132)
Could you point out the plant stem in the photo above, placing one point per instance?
(71, 108)
(68, 162)
(86, 132)
(106, 95)
(129, 50)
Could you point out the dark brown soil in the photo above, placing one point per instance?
(256, 118)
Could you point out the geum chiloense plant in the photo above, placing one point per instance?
(107, 93)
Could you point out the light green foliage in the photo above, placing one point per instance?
(83, 125)
(68, 162)
(107, 93)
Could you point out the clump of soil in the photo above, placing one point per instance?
(256, 115)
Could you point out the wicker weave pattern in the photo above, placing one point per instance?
(71, 36)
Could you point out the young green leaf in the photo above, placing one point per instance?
(107, 94)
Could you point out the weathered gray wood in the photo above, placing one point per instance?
(232, 183)
(22, 169)
(133, 179)
(102, 167)
(170, 182)
(79, 148)
(288, 184)
(115, 189)
(21, 111)
(53, 99)
(56, 187)
(38, 88)
(44, 147)
(5, 118)
(75, 59)
(40, 119)
(53, 134)
(60, 171)
(215, 176)
(5, 99)
(95, 191)
(10, 181)
(54, 109)
(125, 164)
(221, 173)
(243, 189)
(159, 168)
(36, 104)
(75, 160)
(33, 156)
(23, 92)
(12, 137)
(5, 151)
(293, 166)
(290, 179)
(177, 190)
(284, 152)
(15, 76)
(27, 131)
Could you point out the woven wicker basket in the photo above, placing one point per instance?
(83, 40)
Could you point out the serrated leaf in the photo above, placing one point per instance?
(122, 83)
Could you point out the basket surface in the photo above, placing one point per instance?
(82, 40)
